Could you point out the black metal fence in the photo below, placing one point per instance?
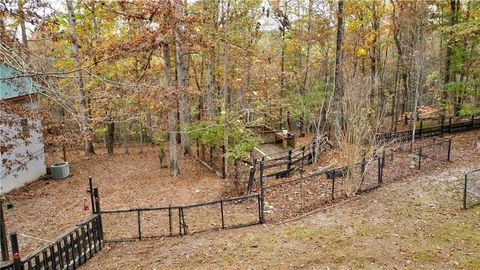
(471, 189)
(445, 127)
(144, 223)
(69, 251)
(439, 150)
(291, 198)
(282, 165)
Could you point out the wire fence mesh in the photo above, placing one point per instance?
(471, 192)
(140, 223)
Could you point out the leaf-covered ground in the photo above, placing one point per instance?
(414, 221)
(414, 224)
(46, 208)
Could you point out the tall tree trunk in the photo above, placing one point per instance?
(172, 118)
(210, 86)
(181, 59)
(225, 85)
(21, 21)
(309, 46)
(448, 76)
(338, 92)
(81, 96)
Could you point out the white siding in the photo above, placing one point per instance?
(35, 168)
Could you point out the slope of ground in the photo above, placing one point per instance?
(416, 224)
(44, 209)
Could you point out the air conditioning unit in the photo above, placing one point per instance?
(60, 170)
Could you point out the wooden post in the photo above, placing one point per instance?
(289, 165)
(3, 235)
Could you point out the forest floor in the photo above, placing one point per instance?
(427, 204)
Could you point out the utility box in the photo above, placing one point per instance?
(60, 170)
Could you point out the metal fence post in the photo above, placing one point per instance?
(314, 153)
(262, 193)
(442, 120)
(3, 235)
(17, 264)
(333, 187)
(170, 219)
(450, 125)
(420, 130)
(221, 210)
(139, 225)
(90, 185)
(465, 191)
(303, 158)
(473, 121)
(419, 157)
(449, 149)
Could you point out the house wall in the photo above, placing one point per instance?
(31, 153)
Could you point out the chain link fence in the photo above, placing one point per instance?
(141, 223)
(471, 190)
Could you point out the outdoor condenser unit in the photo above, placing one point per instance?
(60, 170)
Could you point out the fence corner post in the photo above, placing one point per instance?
(17, 264)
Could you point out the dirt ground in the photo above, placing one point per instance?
(44, 209)
(414, 224)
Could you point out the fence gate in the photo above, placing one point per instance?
(471, 189)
